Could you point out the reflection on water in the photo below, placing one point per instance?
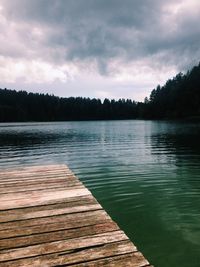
(146, 174)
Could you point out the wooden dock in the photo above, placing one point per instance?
(49, 218)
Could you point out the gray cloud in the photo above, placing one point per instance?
(104, 33)
(104, 30)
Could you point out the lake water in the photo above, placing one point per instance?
(146, 174)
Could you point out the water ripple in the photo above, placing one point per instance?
(144, 173)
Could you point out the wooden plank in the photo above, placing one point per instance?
(33, 174)
(24, 176)
(36, 168)
(128, 260)
(32, 212)
(69, 210)
(54, 201)
(22, 241)
(62, 246)
(75, 257)
(46, 187)
(68, 218)
(43, 195)
(52, 227)
(37, 179)
(35, 198)
(38, 183)
(28, 175)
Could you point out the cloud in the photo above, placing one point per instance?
(34, 71)
(102, 37)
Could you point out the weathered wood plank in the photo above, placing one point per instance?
(69, 210)
(128, 260)
(32, 212)
(27, 175)
(40, 187)
(36, 168)
(52, 227)
(77, 256)
(52, 202)
(38, 179)
(38, 183)
(43, 195)
(15, 242)
(69, 219)
(33, 172)
(35, 198)
(62, 246)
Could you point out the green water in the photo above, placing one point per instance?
(145, 174)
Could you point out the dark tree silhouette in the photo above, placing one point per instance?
(179, 98)
(23, 106)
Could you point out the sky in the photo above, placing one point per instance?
(96, 48)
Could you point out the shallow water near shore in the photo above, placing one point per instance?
(146, 174)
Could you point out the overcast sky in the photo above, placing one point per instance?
(96, 48)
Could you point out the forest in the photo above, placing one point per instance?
(23, 106)
(179, 98)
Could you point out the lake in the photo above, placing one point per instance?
(146, 174)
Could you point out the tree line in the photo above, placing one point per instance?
(179, 98)
(22, 106)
